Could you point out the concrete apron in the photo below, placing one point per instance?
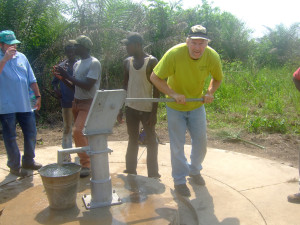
(239, 189)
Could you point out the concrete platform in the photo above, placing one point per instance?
(240, 189)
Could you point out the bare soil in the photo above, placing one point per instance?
(283, 148)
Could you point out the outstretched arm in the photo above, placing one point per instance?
(213, 86)
(163, 87)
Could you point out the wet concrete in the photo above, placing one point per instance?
(144, 201)
(240, 189)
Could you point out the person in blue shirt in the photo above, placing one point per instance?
(65, 92)
(16, 79)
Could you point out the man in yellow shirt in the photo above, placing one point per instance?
(186, 67)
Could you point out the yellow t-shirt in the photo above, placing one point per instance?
(187, 76)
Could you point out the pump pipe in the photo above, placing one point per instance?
(161, 100)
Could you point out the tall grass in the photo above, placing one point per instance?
(261, 101)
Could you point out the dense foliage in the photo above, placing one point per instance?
(252, 67)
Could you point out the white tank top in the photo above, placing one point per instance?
(139, 87)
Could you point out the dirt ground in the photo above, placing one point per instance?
(282, 148)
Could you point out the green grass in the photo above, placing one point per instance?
(265, 101)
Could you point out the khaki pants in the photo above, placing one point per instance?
(67, 131)
(80, 109)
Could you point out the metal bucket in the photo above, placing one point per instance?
(61, 182)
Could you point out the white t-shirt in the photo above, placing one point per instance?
(87, 68)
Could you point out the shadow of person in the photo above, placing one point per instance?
(146, 200)
(140, 187)
(84, 184)
(78, 213)
(203, 205)
(94, 216)
(8, 179)
(169, 214)
(53, 216)
(12, 186)
(186, 213)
